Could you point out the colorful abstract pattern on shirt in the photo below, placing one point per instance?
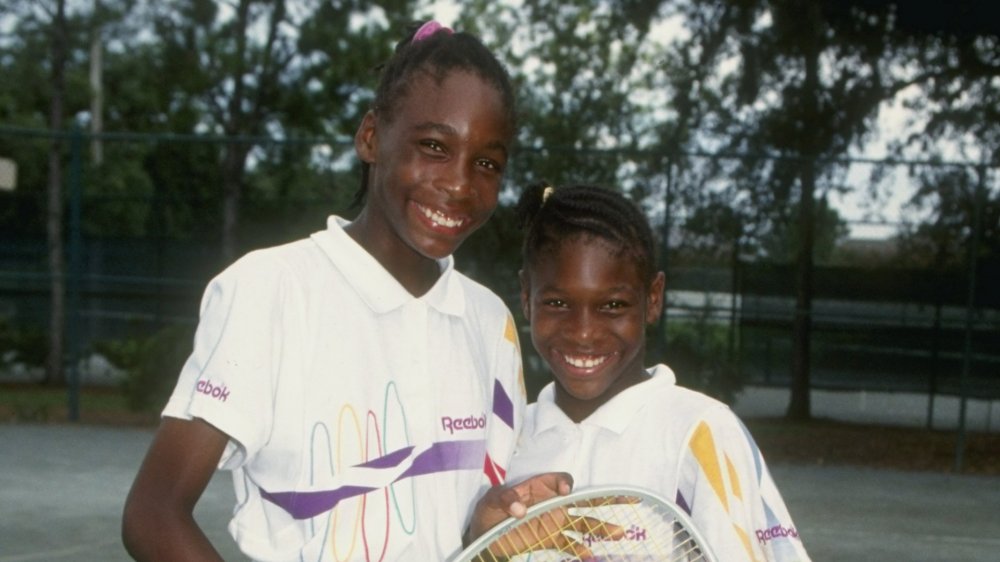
(717, 468)
(361, 503)
(503, 435)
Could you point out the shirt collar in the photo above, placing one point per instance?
(615, 415)
(376, 286)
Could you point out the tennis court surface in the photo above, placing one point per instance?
(62, 488)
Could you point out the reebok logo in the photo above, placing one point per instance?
(776, 532)
(631, 533)
(219, 392)
(460, 424)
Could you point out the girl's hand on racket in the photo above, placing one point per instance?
(501, 502)
(606, 523)
(547, 531)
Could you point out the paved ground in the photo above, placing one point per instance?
(907, 409)
(62, 488)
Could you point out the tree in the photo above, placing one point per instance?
(946, 203)
(789, 86)
(269, 69)
(810, 81)
(577, 68)
(204, 70)
(54, 224)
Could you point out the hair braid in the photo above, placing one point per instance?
(584, 210)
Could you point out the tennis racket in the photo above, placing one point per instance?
(601, 524)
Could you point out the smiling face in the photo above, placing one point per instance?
(589, 306)
(436, 168)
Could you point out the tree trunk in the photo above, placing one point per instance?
(54, 372)
(234, 156)
(96, 91)
(234, 161)
(799, 404)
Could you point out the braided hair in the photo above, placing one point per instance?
(438, 55)
(550, 216)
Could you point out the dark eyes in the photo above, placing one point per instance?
(485, 163)
(433, 145)
(613, 305)
(489, 164)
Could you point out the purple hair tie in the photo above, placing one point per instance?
(428, 29)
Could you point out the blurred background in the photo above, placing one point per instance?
(822, 176)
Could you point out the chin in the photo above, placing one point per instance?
(583, 393)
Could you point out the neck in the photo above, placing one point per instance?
(415, 272)
(578, 410)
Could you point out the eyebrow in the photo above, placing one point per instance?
(435, 126)
(552, 288)
(449, 130)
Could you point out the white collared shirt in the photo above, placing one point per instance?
(678, 443)
(363, 421)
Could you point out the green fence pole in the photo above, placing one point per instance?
(665, 255)
(75, 276)
(970, 307)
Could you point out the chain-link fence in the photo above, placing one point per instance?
(915, 308)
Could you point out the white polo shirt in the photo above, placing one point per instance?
(364, 422)
(682, 445)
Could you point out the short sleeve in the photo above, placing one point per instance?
(229, 378)
(730, 494)
(509, 403)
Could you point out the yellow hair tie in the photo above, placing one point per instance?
(547, 192)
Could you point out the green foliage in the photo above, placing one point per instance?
(151, 364)
(699, 353)
(783, 241)
(602, 101)
(21, 345)
(37, 403)
(947, 201)
(492, 256)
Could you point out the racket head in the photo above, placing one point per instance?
(613, 523)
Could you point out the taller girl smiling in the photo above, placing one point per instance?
(362, 392)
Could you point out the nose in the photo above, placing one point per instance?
(456, 180)
(583, 325)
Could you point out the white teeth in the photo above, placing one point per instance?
(585, 362)
(441, 219)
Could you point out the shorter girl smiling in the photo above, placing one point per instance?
(589, 288)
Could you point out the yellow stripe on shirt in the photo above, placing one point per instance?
(703, 447)
(734, 479)
(745, 540)
(510, 334)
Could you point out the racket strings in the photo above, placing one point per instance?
(539, 533)
(606, 529)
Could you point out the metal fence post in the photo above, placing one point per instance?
(665, 251)
(75, 274)
(970, 307)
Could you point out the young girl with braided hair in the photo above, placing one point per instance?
(590, 287)
(363, 393)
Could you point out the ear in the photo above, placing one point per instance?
(525, 295)
(654, 300)
(365, 141)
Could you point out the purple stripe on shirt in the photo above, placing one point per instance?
(502, 405)
(303, 505)
(447, 456)
(441, 457)
(680, 501)
(390, 460)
